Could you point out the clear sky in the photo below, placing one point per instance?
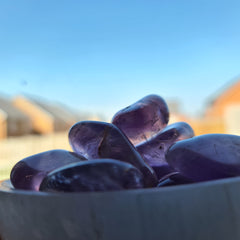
(105, 55)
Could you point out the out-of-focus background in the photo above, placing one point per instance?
(67, 61)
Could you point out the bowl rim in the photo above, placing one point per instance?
(7, 188)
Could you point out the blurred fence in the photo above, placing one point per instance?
(14, 149)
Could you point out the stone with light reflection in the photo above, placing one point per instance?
(28, 173)
(94, 175)
(153, 150)
(143, 118)
(95, 140)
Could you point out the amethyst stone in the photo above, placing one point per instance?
(153, 150)
(143, 118)
(95, 175)
(86, 136)
(206, 157)
(29, 172)
(173, 179)
(104, 140)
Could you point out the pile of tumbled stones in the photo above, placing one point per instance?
(139, 149)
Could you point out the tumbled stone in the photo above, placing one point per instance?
(28, 173)
(95, 175)
(206, 157)
(173, 179)
(95, 139)
(153, 150)
(86, 136)
(143, 118)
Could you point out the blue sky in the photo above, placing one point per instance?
(104, 55)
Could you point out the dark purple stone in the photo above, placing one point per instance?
(95, 175)
(104, 140)
(206, 157)
(173, 179)
(143, 118)
(153, 150)
(29, 172)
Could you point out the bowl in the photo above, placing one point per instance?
(207, 210)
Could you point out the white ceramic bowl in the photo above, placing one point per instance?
(201, 211)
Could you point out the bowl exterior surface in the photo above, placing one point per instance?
(201, 211)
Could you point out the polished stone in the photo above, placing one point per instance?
(28, 173)
(206, 157)
(143, 118)
(95, 140)
(173, 179)
(95, 175)
(153, 150)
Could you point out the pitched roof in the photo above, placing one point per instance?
(222, 90)
(11, 111)
(59, 111)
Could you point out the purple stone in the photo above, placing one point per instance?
(153, 150)
(94, 175)
(173, 179)
(29, 172)
(86, 136)
(104, 140)
(142, 119)
(206, 157)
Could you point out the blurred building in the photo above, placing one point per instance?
(47, 117)
(30, 114)
(27, 114)
(3, 124)
(13, 122)
(222, 113)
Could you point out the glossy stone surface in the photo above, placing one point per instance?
(143, 118)
(29, 172)
(206, 157)
(95, 139)
(153, 150)
(173, 179)
(86, 136)
(95, 175)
